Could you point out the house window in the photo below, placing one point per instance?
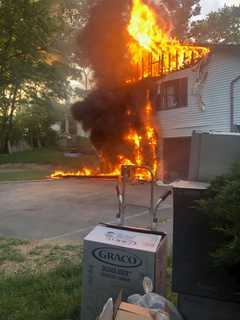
(173, 94)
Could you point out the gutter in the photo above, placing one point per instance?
(233, 82)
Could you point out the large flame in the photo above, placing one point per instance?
(153, 53)
(143, 27)
(139, 141)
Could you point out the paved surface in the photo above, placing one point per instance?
(69, 209)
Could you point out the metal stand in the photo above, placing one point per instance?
(121, 194)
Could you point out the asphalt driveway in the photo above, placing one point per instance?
(70, 208)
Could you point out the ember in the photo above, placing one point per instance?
(123, 132)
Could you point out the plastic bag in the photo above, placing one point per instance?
(154, 301)
(107, 312)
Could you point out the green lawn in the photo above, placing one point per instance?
(39, 281)
(47, 157)
(39, 164)
(23, 175)
(55, 295)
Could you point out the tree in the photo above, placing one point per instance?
(182, 11)
(222, 26)
(221, 206)
(33, 123)
(31, 67)
(75, 15)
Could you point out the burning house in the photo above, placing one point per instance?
(205, 97)
(132, 53)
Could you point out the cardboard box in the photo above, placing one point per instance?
(120, 258)
(132, 312)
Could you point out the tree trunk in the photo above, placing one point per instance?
(3, 134)
(9, 124)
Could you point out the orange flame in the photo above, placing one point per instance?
(143, 27)
(147, 138)
(153, 53)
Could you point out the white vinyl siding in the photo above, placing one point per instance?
(215, 93)
(236, 102)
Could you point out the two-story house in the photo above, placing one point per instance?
(205, 98)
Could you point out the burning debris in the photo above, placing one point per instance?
(123, 42)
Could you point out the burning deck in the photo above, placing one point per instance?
(154, 52)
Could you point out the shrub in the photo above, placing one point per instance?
(222, 206)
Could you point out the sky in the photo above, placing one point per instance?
(211, 5)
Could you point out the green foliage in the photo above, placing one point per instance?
(31, 67)
(221, 205)
(222, 26)
(75, 14)
(34, 122)
(182, 11)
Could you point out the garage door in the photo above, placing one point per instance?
(176, 158)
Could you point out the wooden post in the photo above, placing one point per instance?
(151, 64)
(192, 58)
(169, 62)
(177, 60)
(142, 67)
(184, 59)
(162, 66)
(159, 65)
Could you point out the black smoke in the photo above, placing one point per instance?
(113, 107)
(108, 115)
(103, 42)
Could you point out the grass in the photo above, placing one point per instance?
(54, 295)
(170, 295)
(9, 251)
(16, 175)
(39, 164)
(40, 281)
(46, 157)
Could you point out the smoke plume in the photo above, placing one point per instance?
(103, 42)
(113, 107)
(108, 115)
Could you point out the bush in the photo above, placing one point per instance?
(222, 206)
